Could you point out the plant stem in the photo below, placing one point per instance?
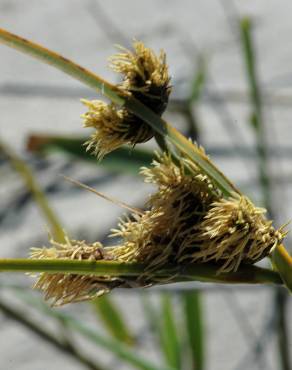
(195, 272)
(65, 65)
(280, 256)
(257, 114)
(33, 187)
(281, 300)
(135, 106)
(43, 334)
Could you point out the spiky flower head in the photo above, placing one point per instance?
(62, 288)
(155, 238)
(187, 220)
(145, 77)
(190, 221)
(113, 128)
(233, 231)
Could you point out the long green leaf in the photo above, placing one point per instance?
(283, 263)
(135, 106)
(168, 333)
(97, 83)
(280, 256)
(32, 185)
(124, 160)
(60, 344)
(40, 198)
(112, 345)
(256, 102)
(194, 327)
(196, 272)
(150, 313)
(181, 143)
(198, 82)
(65, 65)
(113, 320)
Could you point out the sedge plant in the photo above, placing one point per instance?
(196, 226)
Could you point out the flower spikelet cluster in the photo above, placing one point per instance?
(62, 288)
(232, 232)
(156, 237)
(189, 221)
(145, 77)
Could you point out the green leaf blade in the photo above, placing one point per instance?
(194, 328)
(168, 334)
(122, 160)
(112, 319)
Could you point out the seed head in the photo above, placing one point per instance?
(189, 221)
(145, 77)
(62, 288)
(155, 238)
(113, 128)
(232, 232)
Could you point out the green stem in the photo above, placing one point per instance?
(46, 336)
(257, 114)
(195, 272)
(73, 69)
(33, 187)
(133, 105)
(181, 143)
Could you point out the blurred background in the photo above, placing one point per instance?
(230, 63)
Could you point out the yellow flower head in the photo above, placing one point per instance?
(232, 232)
(113, 128)
(145, 77)
(189, 221)
(155, 238)
(65, 288)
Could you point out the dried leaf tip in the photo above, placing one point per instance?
(145, 77)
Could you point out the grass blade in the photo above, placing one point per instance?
(280, 256)
(124, 160)
(194, 327)
(113, 320)
(112, 345)
(57, 343)
(168, 334)
(198, 82)
(182, 144)
(135, 106)
(31, 183)
(56, 229)
(283, 263)
(65, 65)
(256, 101)
(196, 272)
